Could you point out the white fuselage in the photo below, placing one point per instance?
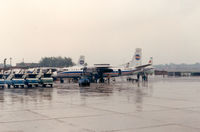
(76, 72)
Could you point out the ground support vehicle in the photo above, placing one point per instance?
(46, 79)
(31, 80)
(8, 83)
(84, 81)
(2, 83)
(18, 81)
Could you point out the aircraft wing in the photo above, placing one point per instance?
(143, 66)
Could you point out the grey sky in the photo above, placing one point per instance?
(105, 31)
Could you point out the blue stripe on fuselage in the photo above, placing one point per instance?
(72, 74)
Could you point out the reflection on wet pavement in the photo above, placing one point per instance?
(154, 106)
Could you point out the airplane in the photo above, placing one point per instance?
(71, 72)
(105, 70)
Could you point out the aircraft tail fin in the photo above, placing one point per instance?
(151, 61)
(81, 60)
(137, 58)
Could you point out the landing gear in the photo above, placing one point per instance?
(101, 80)
(2, 87)
(61, 80)
(29, 86)
(16, 86)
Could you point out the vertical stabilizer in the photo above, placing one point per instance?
(137, 58)
(151, 61)
(81, 60)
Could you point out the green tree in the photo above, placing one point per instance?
(56, 62)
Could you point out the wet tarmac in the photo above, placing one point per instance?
(162, 104)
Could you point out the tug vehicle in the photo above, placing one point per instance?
(84, 81)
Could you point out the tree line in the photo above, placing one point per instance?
(51, 62)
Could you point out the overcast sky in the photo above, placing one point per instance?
(105, 31)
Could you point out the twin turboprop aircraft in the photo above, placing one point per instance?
(105, 70)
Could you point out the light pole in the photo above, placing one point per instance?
(10, 62)
(5, 62)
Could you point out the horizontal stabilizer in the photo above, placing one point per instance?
(143, 66)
